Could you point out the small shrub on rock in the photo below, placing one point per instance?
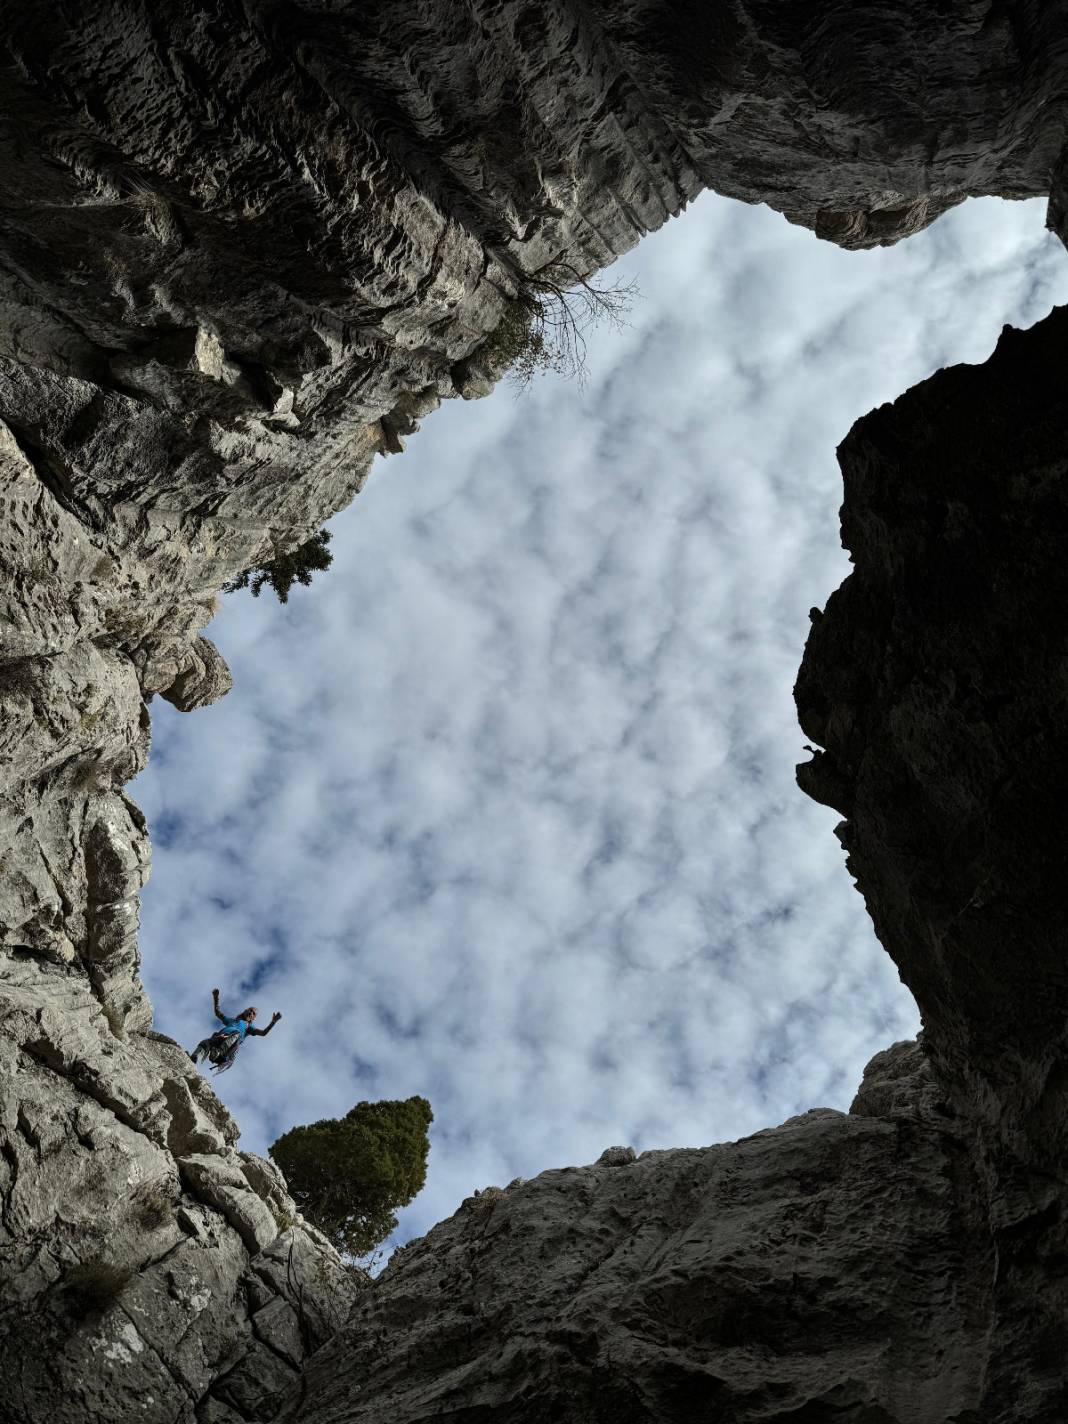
(517, 343)
(284, 1220)
(231, 1350)
(94, 1285)
(155, 1206)
(483, 1202)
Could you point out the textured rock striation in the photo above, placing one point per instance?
(149, 1268)
(800, 1274)
(243, 249)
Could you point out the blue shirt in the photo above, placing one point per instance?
(235, 1026)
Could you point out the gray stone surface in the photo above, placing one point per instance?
(825, 1269)
(117, 1159)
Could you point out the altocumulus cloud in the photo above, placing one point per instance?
(502, 809)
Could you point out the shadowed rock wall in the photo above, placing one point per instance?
(935, 681)
(835, 1267)
(243, 249)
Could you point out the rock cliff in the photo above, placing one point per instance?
(831, 1268)
(243, 249)
(934, 683)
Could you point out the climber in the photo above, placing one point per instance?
(221, 1047)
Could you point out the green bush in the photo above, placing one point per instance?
(284, 570)
(349, 1175)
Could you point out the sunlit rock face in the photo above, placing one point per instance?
(148, 1266)
(243, 250)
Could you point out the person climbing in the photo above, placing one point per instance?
(220, 1048)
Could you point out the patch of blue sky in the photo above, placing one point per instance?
(167, 829)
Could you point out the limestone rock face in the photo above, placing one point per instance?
(150, 1270)
(798, 1274)
(243, 249)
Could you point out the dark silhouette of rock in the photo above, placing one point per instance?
(935, 682)
(825, 1269)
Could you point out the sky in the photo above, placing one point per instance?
(501, 810)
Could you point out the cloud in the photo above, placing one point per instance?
(502, 809)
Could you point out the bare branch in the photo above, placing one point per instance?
(544, 327)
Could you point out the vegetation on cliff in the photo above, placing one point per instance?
(544, 327)
(286, 569)
(349, 1175)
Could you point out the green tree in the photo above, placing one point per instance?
(284, 570)
(349, 1175)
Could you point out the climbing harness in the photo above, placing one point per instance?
(222, 1050)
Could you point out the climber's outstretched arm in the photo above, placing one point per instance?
(215, 1005)
(263, 1032)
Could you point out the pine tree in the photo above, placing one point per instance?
(349, 1175)
(284, 570)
